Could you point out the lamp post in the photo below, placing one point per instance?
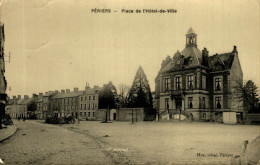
(130, 99)
(132, 115)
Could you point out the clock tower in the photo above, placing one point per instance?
(191, 38)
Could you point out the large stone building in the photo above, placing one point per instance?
(82, 104)
(88, 103)
(197, 85)
(66, 103)
(22, 107)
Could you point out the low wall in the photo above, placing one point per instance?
(126, 114)
(252, 118)
(101, 114)
(229, 117)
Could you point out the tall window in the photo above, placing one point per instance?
(167, 103)
(88, 114)
(88, 106)
(81, 98)
(203, 104)
(167, 84)
(218, 102)
(93, 106)
(178, 83)
(217, 84)
(93, 114)
(80, 106)
(85, 106)
(203, 82)
(190, 105)
(89, 98)
(93, 97)
(190, 81)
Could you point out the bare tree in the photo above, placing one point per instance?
(123, 94)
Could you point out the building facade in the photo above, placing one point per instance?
(88, 103)
(22, 107)
(197, 85)
(66, 103)
(46, 103)
(39, 106)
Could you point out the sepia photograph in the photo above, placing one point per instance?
(137, 82)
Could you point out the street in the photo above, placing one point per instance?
(37, 143)
(92, 142)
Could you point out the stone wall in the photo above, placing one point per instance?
(126, 114)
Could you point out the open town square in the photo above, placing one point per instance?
(129, 82)
(92, 142)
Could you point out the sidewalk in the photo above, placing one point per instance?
(6, 133)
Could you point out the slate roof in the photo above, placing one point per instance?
(49, 93)
(28, 101)
(66, 95)
(91, 91)
(20, 101)
(193, 55)
(221, 61)
(25, 101)
(12, 101)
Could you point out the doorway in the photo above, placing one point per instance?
(178, 103)
(114, 116)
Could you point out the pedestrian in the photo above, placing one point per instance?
(24, 118)
(19, 118)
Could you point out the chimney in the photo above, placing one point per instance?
(205, 56)
(14, 97)
(87, 86)
(40, 94)
(76, 89)
(34, 95)
(96, 86)
(67, 90)
(62, 91)
(235, 49)
(26, 96)
(19, 97)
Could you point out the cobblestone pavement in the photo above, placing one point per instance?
(38, 143)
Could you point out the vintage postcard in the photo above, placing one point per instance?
(129, 82)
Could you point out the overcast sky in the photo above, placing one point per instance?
(60, 44)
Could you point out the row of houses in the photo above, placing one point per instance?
(77, 103)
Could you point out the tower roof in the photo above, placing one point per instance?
(190, 31)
